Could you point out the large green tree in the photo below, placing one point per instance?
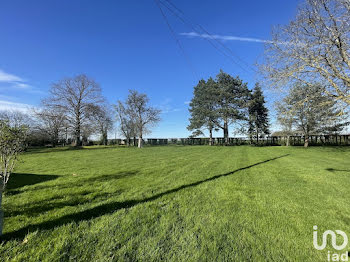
(258, 114)
(231, 97)
(202, 108)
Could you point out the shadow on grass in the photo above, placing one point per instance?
(71, 202)
(58, 149)
(337, 170)
(19, 180)
(114, 206)
(81, 180)
(75, 198)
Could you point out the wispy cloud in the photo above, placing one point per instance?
(227, 37)
(13, 106)
(167, 107)
(187, 102)
(6, 77)
(13, 82)
(22, 85)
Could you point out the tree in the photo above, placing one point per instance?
(74, 96)
(16, 118)
(126, 122)
(315, 46)
(231, 97)
(12, 142)
(309, 110)
(202, 108)
(144, 115)
(103, 120)
(51, 122)
(258, 114)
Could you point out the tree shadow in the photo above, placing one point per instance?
(114, 206)
(18, 180)
(60, 149)
(81, 180)
(73, 199)
(337, 170)
(47, 205)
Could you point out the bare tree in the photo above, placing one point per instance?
(51, 122)
(314, 47)
(12, 142)
(101, 116)
(16, 118)
(127, 124)
(144, 116)
(74, 96)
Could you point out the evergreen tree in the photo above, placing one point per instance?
(202, 109)
(258, 114)
(231, 99)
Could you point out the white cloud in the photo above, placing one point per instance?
(22, 85)
(13, 106)
(226, 37)
(167, 107)
(6, 77)
(10, 81)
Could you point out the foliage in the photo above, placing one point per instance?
(218, 103)
(12, 142)
(203, 108)
(232, 96)
(258, 114)
(309, 110)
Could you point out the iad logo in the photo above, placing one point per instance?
(333, 235)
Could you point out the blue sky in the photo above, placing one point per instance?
(127, 45)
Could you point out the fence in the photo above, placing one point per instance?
(314, 140)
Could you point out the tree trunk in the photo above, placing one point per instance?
(306, 143)
(77, 130)
(77, 137)
(257, 137)
(288, 138)
(66, 142)
(226, 131)
(104, 138)
(140, 141)
(134, 141)
(210, 136)
(1, 213)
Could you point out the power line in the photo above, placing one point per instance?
(177, 40)
(211, 37)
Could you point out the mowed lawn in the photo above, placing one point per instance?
(175, 203)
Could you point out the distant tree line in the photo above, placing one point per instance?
(75, 110)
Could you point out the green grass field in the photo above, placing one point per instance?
(191, 203)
